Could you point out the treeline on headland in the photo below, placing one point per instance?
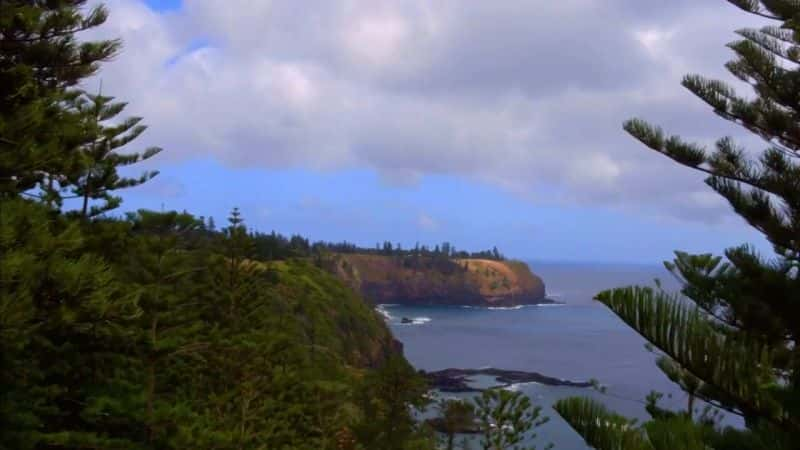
(277, 246)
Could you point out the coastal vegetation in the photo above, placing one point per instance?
(504, 419)
(729, 337)
(161, 330)
(277, 246)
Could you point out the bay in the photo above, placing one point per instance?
(577, 340)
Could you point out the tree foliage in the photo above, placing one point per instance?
(456, 415)
(96, 175)
(41, 61)
(507, 418)
(730, 336)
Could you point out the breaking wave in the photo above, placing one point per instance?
(419, 321)
(381, 309)
(506, 308)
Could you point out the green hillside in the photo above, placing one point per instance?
(154, 332)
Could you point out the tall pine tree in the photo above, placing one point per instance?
(41, 60)
(730, 336)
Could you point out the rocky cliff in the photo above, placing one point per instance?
(440, 281)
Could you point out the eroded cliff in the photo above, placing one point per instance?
(423, 280)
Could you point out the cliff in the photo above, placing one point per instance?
(440, 281)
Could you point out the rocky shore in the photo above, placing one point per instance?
(458, 380)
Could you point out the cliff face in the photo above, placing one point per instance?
(440, 281)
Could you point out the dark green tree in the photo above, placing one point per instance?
(386, 396)
(165, 274)
(41, 59)
(97, 176)
(65, 325)
(455, 416)
(730, 336)
(507, 418)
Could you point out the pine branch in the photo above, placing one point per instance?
(599, 427)
(737, 367)
(753, 7)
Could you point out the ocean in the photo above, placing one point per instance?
(578, 340)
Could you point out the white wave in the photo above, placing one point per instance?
(550, 304)
(506, 308)
(382, 311)
(416, 321)
(517, 386)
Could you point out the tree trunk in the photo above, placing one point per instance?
(151, 388)
(151, 382)
(85, 209)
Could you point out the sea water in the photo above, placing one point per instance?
(578, 340)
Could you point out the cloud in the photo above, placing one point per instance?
(427, 223)
(526, 95)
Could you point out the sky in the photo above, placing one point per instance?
(478, 123)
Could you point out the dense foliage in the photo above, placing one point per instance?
(278, 246)
(730, 336)
(455, 416)
(172, 339)
(152, 330)
(507, 419)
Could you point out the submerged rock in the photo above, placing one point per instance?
(457, 380)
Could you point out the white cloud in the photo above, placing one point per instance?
(595, 169)
(654, 40)
(504, 92)
(377, 40)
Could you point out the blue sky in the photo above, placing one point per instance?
(417, 123)
(164, 5)
(357, 206)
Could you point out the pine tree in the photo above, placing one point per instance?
(386, 396)
(40, 61)
(65, 324)
(160, 267)
(507, 418)
(456, 415)
(730, 336)
(97, 173)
